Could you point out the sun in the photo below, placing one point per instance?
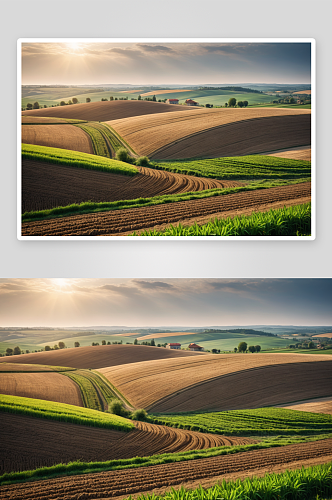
(74, 46)
(60, 283)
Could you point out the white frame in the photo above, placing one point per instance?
(312, 41)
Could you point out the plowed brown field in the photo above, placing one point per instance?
(130, 481)
(216, 132)
(47, 386)
(110, 110)
(101, 356)
(294, 154)
(18, 367)
(223, 381)
(57, 136)
(28, 442)
(41, 119)
(47, 186)
(129, 220)
(322, 405)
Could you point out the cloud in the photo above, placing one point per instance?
(124, 52)
(153, 285)
(154, 48)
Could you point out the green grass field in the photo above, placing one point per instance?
(292, 221)
(63, 412)
(307, 483)
(241, 167)
(76, 159)
(259, 422)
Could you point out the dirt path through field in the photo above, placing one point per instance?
(129, 220)
(132, 481)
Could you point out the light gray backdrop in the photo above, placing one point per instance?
(165, 18)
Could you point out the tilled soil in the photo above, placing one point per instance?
(122, 221)
(130, 481)
(57, 136)
(47, 185)
(29, 442)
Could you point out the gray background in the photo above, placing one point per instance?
(148, 258)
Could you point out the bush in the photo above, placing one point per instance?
(140, 415)
(122, 155)
(117, 408)
(142, 161)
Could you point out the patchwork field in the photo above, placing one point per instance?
(223, 382)
(161, 477)
(322, 405)
(216, 132)
(47, 386)
(126, 221)
(47, 186)
(294, 154)
(57, 136)
(99, 356)
(105, 111)
(30, 442)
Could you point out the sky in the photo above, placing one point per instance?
(62, 302)
(78, 62)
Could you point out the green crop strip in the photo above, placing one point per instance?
(120, 140)
(63, 412)
(292, 221)
(77, 467)
(98, 142)
(302, 484)
(89, 392)
(76, 159)
(263, 421)
(91, 207)
(240, 167)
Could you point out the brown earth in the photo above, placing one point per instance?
(101, 356)
(17, 367)
(222, 381)
(29, 442)
(129, 220)
(322, 405)
(294, 153)
(108, 110)
(47, 185)
(216, 132)
(46, 386)
(159, 477)
(325, 335)
(302, 92)
(41, 119)
(57, 136)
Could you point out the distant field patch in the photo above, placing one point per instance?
(322, 405)
(157, 92)
(47, 386)
(303, 154)
(18, 367)
(57, 136)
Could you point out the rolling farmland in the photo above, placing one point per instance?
(83, 202)
(47, 386)
(193, 384)
(215, 132)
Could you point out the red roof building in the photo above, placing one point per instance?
(172, 101)
(174, 345)
(190, 102)
(195, 347)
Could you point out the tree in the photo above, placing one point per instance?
(139, 415)
(311, 345)
(122, 155)
(258, 348)
(75, 100)
(292, 100)
(152, 342)
(27, 351)
(9, 351)
(29, 105)
(36, 105)
(62, 103)
(88, 99)
(245, 103)
(135, 342)
(61, 345)
(56, 347)
(108, 343)
(232, 102)
(139, 98)
(240, 104)
(116, 407)
(235, 349)
(154, 98)
(48, 348)
(142, 161)
(103, 342)
(252, 348)
(226, 104)
(111, 98)
(17, 350)
(242, 347)
(70, 102)
(76, 344)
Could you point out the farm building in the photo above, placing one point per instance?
(190, 102)
(174, 345)
(172, 101)
(195, 347)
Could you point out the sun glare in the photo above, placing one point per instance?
(73, 46)
(60, 283)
